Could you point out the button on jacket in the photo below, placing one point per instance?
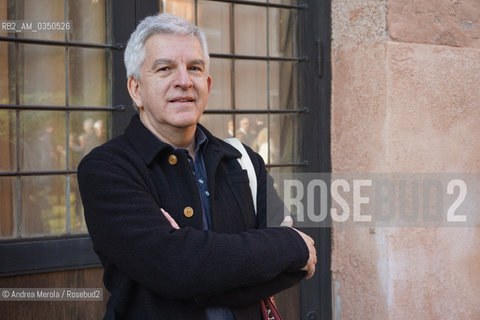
(154, 271)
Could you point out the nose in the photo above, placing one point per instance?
(182, 78)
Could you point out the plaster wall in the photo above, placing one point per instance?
(406, 98)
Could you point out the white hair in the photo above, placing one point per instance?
(162, 23)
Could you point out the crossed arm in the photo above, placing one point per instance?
(206, 267)
(287, 222)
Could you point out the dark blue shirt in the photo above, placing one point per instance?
(200, 173)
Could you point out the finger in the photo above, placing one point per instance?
(172, 221)
(310, 272)
(287, 222)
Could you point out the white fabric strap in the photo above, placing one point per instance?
(246, 164)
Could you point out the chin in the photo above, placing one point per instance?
(187, 119)
(185, 123)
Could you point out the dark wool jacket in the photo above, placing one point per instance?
(154, 271)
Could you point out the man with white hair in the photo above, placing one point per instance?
(168, 206)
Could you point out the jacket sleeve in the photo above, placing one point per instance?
(237, 297)
(128, 229)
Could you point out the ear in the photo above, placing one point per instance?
(209, 84)
(133, 87)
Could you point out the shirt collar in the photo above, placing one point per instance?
(201, 140)
(149, 146)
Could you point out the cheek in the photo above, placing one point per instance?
(203, 90)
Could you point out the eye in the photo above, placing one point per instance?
(166, 68)
(195, 68)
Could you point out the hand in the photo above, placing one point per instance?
(287, 222)
(172, 221)
(312, 258)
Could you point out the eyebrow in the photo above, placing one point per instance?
(161, 61)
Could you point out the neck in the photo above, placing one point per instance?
(178, 137)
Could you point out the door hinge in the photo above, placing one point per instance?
(319, 58)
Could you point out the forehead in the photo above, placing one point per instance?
(169, 46)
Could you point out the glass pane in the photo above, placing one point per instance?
(250, 30)
(87, 130)
(250, 84)
(88, 21)
(282, 32)
(181, 8)
(250, 130)
(42, 136)
(42, 75)
(8, 201)
(219, 125)
(284, 139)
(7, 73)
(87, 77)
(43, 205)
(37, 11)
(221, 94)
(283, 85)
(7, 141)
(3, 16)
(214, 21)
(77, 220)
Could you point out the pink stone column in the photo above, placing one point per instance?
(406, 98)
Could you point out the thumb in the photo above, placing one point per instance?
(287, 222)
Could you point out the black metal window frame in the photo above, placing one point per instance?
(315, 42)
(50, 253)
(299, 59)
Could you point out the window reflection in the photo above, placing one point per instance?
(87, 20)
(251, 84)
(87, 130)
(221, 94)
(250, 29)
(86, 68)
(43, 205)
(214, 21)
(7, 141)
(7, 206)
(77, 219)
(37, 143)
(42, 140)
(181, 8)
(283, 85)
(282, 32)
(42, 75)
(285, 137)
(216, 124)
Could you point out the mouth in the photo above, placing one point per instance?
(182, 99)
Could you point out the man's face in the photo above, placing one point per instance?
(245, 123)
(173, 88)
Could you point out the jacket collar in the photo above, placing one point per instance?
(144, 141)
(149, 146)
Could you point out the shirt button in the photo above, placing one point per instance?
(207, 193)
(172, 159)
(200, 180)
(188, 212)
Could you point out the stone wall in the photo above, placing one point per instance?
(406, 98)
